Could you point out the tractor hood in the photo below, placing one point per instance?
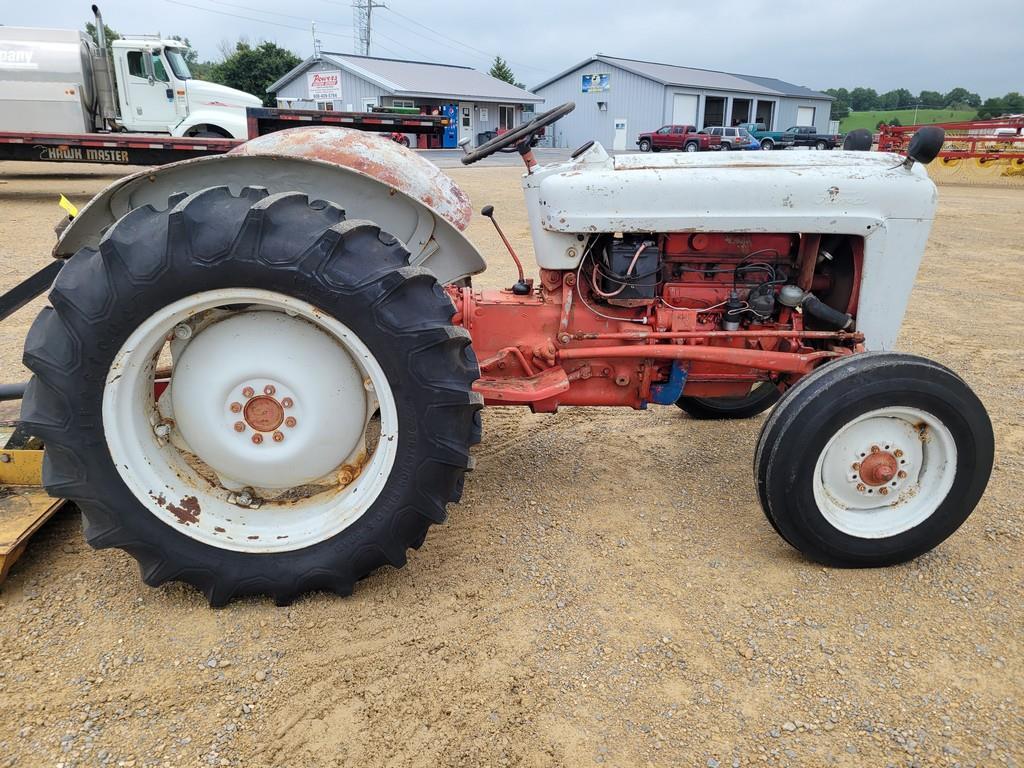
(791, 191)
(203, 94)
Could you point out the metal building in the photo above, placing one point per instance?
(616, 99)
(481, 104)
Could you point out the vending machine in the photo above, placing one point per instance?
(450, 139)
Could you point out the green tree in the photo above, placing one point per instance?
(253, 69)
(895, 121)
(961, 96)
(993, 107)
(112, 34)
(1014, 102)
(862, 99)
(840, 109)
(501, 70)
(930, 99)
(840, 94)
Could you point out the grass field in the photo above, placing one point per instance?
(906, 117)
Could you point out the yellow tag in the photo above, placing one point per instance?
(68, 206)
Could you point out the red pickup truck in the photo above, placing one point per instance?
(684, 137)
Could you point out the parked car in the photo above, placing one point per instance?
(747, 141)
(684, 137)
(731, 138)
(769, 139)
(808, 136)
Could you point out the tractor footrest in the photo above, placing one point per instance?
(527, 389)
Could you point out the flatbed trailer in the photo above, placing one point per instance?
(160, 149)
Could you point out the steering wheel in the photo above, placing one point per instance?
(520, 134)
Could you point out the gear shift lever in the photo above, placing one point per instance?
(521, 288)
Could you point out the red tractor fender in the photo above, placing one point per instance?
(367, 174)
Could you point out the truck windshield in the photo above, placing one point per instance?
(177, 62)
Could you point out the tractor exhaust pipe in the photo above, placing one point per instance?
(101, 34)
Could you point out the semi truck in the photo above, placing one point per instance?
(58, 81)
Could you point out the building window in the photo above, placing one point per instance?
(528, 109)
(403, 103)
(483, 114)
(506, 116)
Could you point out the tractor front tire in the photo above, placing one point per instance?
(275, 302)
(873, 460)
(761, 397)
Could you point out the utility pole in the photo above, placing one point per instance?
(362, 23)
(316, 42)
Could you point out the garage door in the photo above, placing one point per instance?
(684, 109)
(805, 115)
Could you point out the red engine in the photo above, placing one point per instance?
(648, 318)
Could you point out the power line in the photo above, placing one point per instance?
(449, 39)
(248, 18)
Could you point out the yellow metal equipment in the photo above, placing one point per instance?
(24, 505)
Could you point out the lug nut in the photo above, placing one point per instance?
(861, 487)
(239, 426)
(855, 466)
(901, 474)
(183, 331)
(257, 438)
(236, 407)
(883, 491)
(287, 402)
(248, 392)
(244, 498)
(897, 453)
(269, 389)
(874, 449)
(278, 437)
(290, 421)
(161, 430)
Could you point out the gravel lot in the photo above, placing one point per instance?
(608, 592)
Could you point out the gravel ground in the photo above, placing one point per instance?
(608, 592)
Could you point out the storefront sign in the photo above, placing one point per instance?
(325, 85)
(596, 83)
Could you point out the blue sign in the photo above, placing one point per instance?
(596, 83)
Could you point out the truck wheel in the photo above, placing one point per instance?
(767, 144)
(761, 397)
(873, 460)
(691, 146)
(250, 394)
(725, 146)
(820, 145)
(645, 145)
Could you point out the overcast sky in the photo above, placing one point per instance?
(882, 44)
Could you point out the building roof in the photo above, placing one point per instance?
(419, 78)
(672, 74)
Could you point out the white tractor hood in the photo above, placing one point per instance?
(781, 191)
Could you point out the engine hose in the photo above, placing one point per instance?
(815, 307)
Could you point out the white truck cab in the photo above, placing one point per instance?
(156, 93)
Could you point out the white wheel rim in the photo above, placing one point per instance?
(853, 487)
(308, 361)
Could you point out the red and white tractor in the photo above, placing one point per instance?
(263, 372)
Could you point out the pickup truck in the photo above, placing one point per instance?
(808, 136)
(684, 137)
(770, 139)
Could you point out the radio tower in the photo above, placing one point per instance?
(362, 23)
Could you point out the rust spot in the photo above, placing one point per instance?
(350, 472)
(252, 538)
(263, 413)
(188, 510)
(218, 529)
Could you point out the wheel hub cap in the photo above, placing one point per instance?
(878, 468)
(268, 400)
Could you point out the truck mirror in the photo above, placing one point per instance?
(147, 62)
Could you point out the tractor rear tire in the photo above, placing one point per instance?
(761, 397)
(873, 460)
(322, 273)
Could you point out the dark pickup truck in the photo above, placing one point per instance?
(808, 136)
(684, 137)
